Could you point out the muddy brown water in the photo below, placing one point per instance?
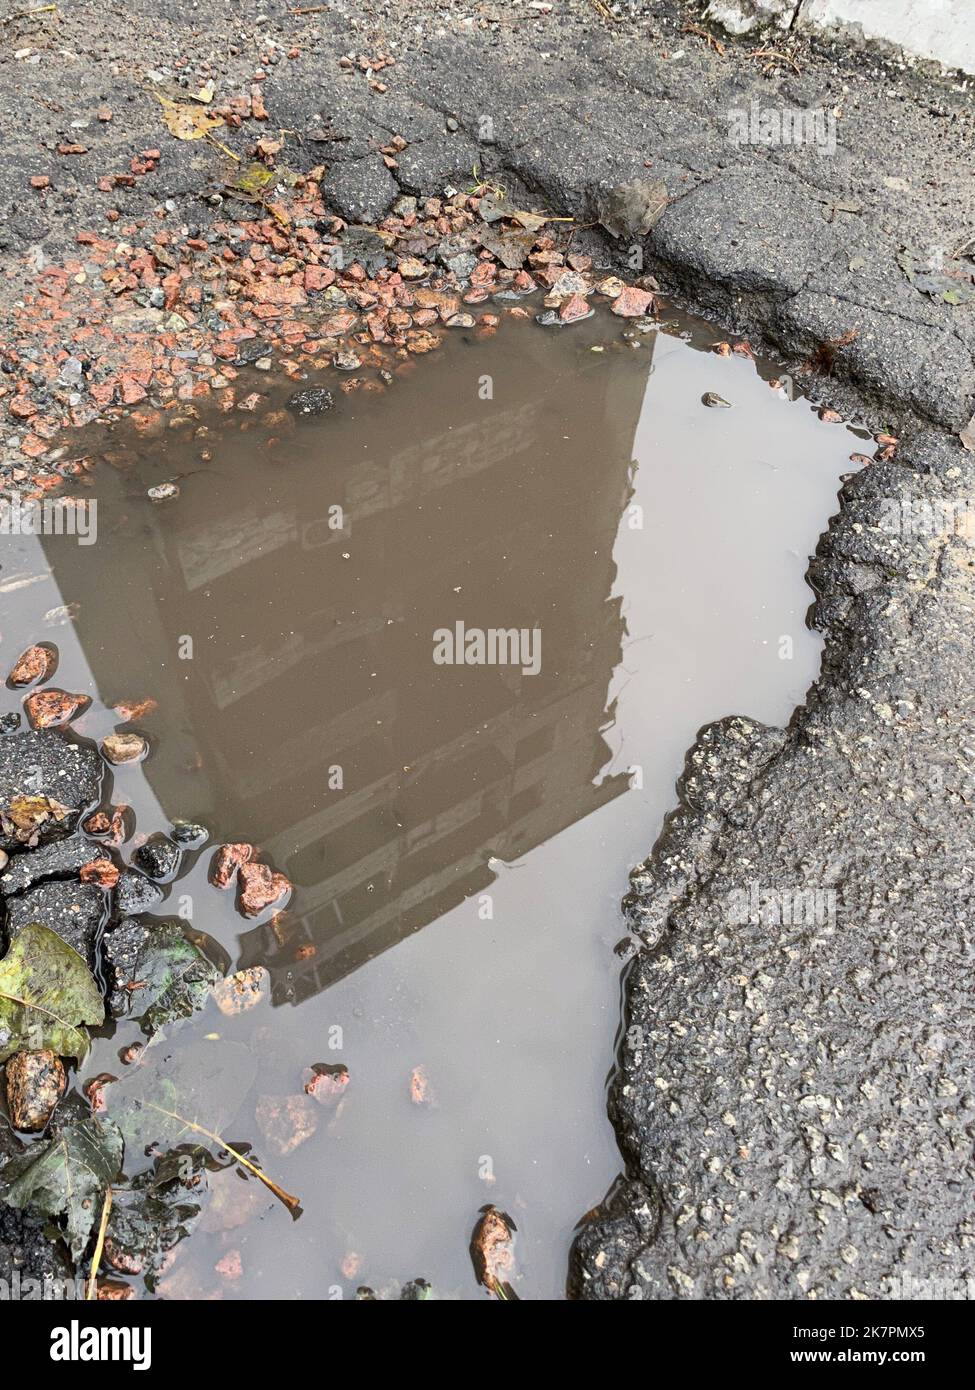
(458, 835)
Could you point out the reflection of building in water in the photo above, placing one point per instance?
(381, 782)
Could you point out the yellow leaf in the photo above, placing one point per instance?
(253, 179)
(187, 122)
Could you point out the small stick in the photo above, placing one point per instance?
(292, 1203)
(220, 145)
(774, 56)
(92, 1289)
(28, 14)
(709, 39)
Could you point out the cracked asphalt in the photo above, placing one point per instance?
(793, 1098)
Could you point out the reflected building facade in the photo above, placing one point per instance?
(321, 728)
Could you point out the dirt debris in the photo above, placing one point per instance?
(154, 316)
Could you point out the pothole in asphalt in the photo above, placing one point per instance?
(439, 654)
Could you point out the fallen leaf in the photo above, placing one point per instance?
(149, 1218)
(160, 976)
(67, 1175)
(631, 209)
(24, 817)
(510, 248)
(47, 993)
(206, 1082)
(492, 1251)
(252, 179)
(187, 122)
(168, 1095)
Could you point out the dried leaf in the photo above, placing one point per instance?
(492, 1251)
(510, 248)
(253, 179)
(24, 817)
(187, 122)
(135, 709)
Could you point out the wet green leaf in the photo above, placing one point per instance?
(190, 1094)
(151, 1216)
(154, 1103)
(160, 975)
(46, 993)
(66, 1175)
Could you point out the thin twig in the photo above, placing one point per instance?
(208, 135)
(28, 14)
(92, 1289)
(292, 1203)
(709, 39)
(774, 56)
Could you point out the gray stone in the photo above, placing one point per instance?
(76, 911)
(631, 209)
(315, 400)
(360, 190)
(43, 763)
(158, 858)
(62, 858)
(191, 833)
(136, 893)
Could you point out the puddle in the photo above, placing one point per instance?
(458, 836)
